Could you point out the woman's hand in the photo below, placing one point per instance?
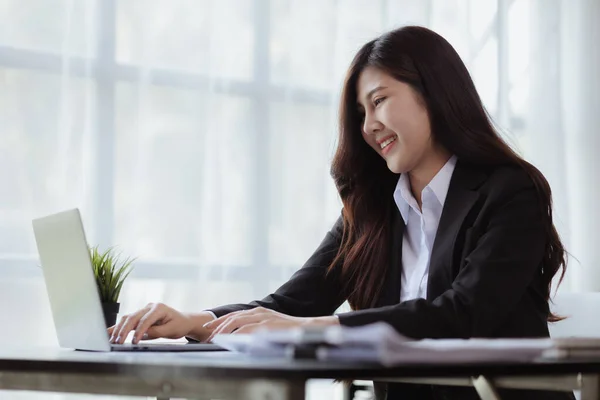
(247, 321)
(158, 320)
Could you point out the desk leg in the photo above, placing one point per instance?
(350, 389)
(590, 387)
(485, 389)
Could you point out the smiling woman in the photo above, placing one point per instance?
(395, 121)
(396, 125)
(445, 231)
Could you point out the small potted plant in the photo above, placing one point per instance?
(110, 273)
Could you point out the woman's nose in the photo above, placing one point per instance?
(371, 125)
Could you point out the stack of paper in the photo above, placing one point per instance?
(380, 343)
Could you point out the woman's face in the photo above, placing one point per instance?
(395, 121)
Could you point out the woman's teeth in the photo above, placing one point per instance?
(387, 142)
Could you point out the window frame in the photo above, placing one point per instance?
(106, 73)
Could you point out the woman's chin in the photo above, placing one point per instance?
(395, 166)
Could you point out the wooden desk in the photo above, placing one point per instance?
(234, 376)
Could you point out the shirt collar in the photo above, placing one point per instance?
(441, 181)
(439, 186)
(402, 196)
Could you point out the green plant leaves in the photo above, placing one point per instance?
(110, 272)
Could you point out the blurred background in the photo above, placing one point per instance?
(197, 134)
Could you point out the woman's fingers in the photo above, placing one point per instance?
(216, 323)
(249, 328)
(151, 318)
(126, 325)
(117, 328)
(236, 322)
(130, 323)
(153, 321)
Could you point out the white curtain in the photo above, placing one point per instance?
(580, 105)
(197, 134)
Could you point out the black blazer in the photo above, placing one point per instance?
(484, 275)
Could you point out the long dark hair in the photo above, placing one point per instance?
(430, 65)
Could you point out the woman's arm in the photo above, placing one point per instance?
(311, 292)
(494, 278)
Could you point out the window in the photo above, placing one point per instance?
(197, 135)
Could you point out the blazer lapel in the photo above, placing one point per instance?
(391, 290)
(460, 199)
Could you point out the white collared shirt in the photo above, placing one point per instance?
(421, 228)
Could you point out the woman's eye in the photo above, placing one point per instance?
(378, 101)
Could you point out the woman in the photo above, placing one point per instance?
(445, 231)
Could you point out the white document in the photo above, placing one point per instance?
(380, 343)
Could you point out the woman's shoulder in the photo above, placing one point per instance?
(510, 176)
(505, 181)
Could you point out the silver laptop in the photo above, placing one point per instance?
(72, 290)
